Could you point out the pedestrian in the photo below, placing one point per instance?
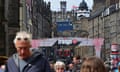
(59, 66)
(118, 68)
(2, 68)
(93, 64)
(76, 63)
(52, 66)
(26, 60)
(3, 60)
(70, 67)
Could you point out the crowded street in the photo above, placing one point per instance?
(59, 35)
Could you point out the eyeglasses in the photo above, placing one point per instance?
(25, 39)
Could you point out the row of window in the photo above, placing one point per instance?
(110, 10)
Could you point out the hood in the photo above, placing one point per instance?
(36, 53)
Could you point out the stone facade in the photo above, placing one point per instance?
(35, 17)
(106, 24)
(9, 25)
(59, 16)
(79, 26)
(2, 34)
(98, 4)
(11, 21)
(103, 23)
(41, 19)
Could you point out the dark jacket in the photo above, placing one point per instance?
(36, 64)
(76, 68)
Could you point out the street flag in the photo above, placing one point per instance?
(98, 42)
(74, 7)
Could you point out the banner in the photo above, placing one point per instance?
(98, 42)
(35, 43)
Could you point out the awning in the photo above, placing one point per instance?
(87, 42)
(47, 42)
(35, 43)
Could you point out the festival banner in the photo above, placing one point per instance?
(98, 42)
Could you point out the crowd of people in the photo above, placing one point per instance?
(89, 64)
(27, 60)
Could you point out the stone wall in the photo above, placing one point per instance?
(106, 27)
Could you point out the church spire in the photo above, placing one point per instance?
(83, 5)
(83, 10)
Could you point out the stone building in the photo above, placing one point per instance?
(62, 15)
(57, 16)
(2, 30)
(35, 17)
(98, 4)
(9, 25)
(14, 16)
(80, 23)
(78, 17)
(41, 19)
(104, 23)
(25, 15)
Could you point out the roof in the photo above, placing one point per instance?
(97, 12)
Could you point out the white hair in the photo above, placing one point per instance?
(59, 64)
(22, 35)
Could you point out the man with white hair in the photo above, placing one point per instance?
(26, 60)
(59, 66)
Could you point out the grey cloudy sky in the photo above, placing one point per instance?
(55, 4)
